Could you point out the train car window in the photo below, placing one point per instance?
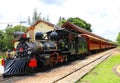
(82, 43)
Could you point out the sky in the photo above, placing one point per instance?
(103, 15)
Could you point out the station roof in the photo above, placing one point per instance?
(33, 26)
(80, 30)
(93, 37)
(63, 31)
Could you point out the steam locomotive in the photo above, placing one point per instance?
(48, 49)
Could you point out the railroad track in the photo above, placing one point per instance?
(69, 77)
(73, 76)
(3, 79)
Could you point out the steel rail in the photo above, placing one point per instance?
(108, 54)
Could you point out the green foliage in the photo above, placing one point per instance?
(77, 21)
(103, 73)
(2, 56)
(6, 37)
(2, 43)
(61, 21)
(18, 28)
(9, 37)
(118, 39)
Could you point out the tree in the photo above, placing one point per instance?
(77, 21)
(61, 21)
(2, 43)
(18, 28)
(37, 16)
(6, 37)
(118, 39)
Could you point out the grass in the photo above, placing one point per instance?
(103, 73)
(0, 62)
(1, 57)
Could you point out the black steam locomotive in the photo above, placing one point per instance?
(47, 50)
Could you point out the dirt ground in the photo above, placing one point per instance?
(117, 51)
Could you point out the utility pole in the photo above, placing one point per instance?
(21, 25)
(9, 24)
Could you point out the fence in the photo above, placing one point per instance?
(2, 53)
(5, 54)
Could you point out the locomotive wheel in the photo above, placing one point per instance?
(51, 64)
(56, 62)
(89, 53)
(83, 56)
(32, 69)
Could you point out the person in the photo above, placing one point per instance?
(8, 53)
(62, 44)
